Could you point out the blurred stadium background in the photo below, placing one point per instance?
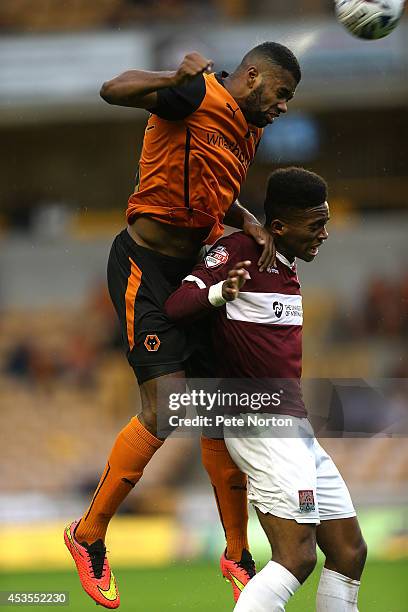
(67, 162)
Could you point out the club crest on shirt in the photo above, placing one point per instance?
(152, 342)
(306, 500)
(216, 257)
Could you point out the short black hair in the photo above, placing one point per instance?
(289, 188)
(277, 54)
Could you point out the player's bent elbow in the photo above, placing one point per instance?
(106, 92)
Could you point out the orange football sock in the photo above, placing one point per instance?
(132, 451)
(230, 492)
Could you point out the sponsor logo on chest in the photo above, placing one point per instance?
(266, 308)
(241, 151)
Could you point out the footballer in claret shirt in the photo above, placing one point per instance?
(299, 494)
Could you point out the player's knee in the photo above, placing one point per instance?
(358, 554)
(301, 563)
(350, 559)
(148, 418)
(363, 550)
(157, 420)
(305, 565)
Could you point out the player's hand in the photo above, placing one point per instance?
(265, 239)
(193, 64)
(235, 280)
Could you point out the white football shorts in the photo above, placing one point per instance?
(290, 477)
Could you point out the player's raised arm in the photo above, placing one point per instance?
(194, 298)
(138, 88)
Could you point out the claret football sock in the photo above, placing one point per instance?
(268, 591)
(336, 593)
(132, 451)
(230, 492)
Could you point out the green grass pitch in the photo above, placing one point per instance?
(199, 587)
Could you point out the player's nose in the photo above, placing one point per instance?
(324, 234)
(283, 107)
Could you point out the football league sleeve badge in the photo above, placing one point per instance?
(216, 257)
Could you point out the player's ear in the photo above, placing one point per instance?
(252, 76)
(277, 227)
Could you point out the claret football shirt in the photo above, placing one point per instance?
(259, 334)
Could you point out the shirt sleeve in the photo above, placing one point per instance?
(192, 300)
(188, 303)
(176, 103)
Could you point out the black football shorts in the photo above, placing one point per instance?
(140, 281)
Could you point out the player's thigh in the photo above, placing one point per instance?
(281, 471)
(338, 535)
(293, 544)
(285, 536)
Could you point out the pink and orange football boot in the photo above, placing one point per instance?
(238, 573)
(93, 569)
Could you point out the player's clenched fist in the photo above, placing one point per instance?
(194, 63)
(235, 280)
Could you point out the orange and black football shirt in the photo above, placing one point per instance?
(196, 152)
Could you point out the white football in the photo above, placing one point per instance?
(369, 19)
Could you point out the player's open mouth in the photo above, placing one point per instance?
(314, 250)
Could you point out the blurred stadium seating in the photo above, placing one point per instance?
(51, 15)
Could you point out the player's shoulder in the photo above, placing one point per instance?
(234, 247)
(239, 241)
(176, 103)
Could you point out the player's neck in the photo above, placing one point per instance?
(283, 251)
(234, 88)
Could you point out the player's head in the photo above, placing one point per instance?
(297, 212)
(266, 80)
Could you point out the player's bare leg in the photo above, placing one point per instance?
(155, 400)
(293, 560)
(345, 550)
(293, 544)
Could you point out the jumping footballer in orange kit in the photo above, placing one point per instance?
(200, 139)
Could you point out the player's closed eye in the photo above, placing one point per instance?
(284, 95)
